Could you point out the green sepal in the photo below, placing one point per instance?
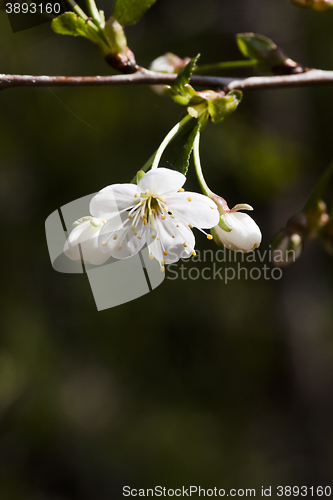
(222, 107)
(241, 206)
(269, 57)
(130, 11)
(223, 224)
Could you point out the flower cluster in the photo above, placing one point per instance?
(156, 211)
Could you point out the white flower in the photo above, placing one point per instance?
(82, 242)
(244, 235)
(156, 211)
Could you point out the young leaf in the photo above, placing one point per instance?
(179, 152)
(70, 24)
(130, 11)
(269, 57)
(181, 91)
(184, 76)
(221, 108)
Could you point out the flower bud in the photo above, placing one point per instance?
(286, 248)
(169, 63)
(237, 231)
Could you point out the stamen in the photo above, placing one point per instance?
(153, 210)
(104, 221)
(163, 261)
(193, 252)
(209, 237)
(115, 236)
(157, 239)
(139, 237)
(162, 269)
(173, 235)
(130, 216)
(133, 228)
(165, 253)
(184, 244)
(151, 256)
(104, 243)
(136, 195)
(181, 190)
(190, 226)
(163, 217)
(189, 198)
(147, 191)
(121, 247)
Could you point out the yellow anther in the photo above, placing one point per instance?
(209, 237)
(133, 228)
(163, 261)
(104, 243)
(130, 216)
(104, 221)
(144, 222)
(172, 216)
(147, 191)
(165, 253)
(173, 235)
(162, 269)
(151, 256)
(159, 198)
(135, 233)
(213, 208)
(139, 237)
(184, 244)
(189, 198)
(115, 236)
(121, 247)
(163, 217)
(177, 225)
(153, 210)
(153, 236)
(193, 252)
(158, 239)
(181, 190)
(136, 195)
(190, 226)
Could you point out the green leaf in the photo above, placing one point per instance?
(181, 91)
(179, 151)
(270, 58)
(222, 107)
(70, 24)
(130, 11)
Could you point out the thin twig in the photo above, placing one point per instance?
(145, 77)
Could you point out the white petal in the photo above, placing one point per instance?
(124, 242)
(161, 181)
(245, 234)
(170, 240)
(85, 236)
(197, 209)
(113, 199)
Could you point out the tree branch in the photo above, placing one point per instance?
(145, 77)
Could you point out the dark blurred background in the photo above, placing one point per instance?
(198, 382)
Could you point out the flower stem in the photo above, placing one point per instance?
(77, 9)
(93, 11)
(196, 157)
(168, 138)
(208, 68)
